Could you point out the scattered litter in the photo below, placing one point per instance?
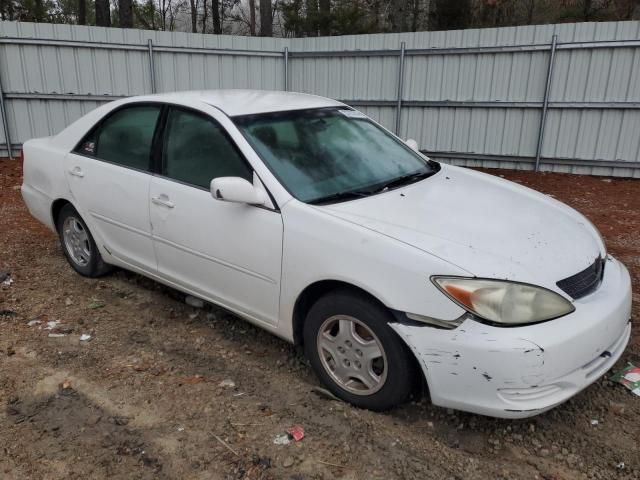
(5, 278)
(629, 376)
(85, 337)
(193, 301)
(227, 383)
(239, 394)
(226, 445)
(606, 180)
(33, 323)
(52, 324)
(297, 432)
(282, 440)
(335, 464)
(95, 304)
(56, 335)
(620, 466)
(181, 429)
(7, 313)
(321, 392)
(594, 422)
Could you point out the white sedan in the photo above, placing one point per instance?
(307, 218)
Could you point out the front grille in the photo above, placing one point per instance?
(583, 283)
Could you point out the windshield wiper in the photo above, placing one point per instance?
(336, 197)
(403, 180)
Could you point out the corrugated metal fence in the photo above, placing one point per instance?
(565, 96)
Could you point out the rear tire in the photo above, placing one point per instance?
(355, 353)
(78, 244)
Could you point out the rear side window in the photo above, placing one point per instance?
(197, 150)
(125, 137)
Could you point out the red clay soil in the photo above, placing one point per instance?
(145, 397)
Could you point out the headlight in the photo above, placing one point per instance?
(501, 301)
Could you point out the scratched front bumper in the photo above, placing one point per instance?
(522, 371)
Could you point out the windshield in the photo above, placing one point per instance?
(331, 153)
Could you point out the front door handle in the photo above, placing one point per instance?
(76, 172)
(163, 200)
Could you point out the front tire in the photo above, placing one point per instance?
(355, 353)
(78, 244)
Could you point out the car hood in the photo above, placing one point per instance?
(483, 224)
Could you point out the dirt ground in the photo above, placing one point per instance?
(143, 397)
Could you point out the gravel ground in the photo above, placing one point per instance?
(164, 390)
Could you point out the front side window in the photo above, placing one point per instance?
(197, 150)
(323, 154)
(125, 137)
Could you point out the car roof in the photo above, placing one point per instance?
(235, 102)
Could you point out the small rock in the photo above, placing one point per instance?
(544, 452)
(193, 301)
(68, 302)
(85, 337)
(227, 383)
(288, 462)
(33, 323)
(594, 422)
(617, 408)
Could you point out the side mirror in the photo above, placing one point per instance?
(412, 144)
(237, 190)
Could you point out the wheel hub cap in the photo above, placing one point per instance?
(352, 355)
(76, 241)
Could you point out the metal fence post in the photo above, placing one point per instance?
(5, 123)
(545, 102)
(286, 69)
(152, 68)
(400, 85)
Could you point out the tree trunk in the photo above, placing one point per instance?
(252, 17)
(312, 18)
(194, 16)
(266, 22)
(398, 13)
(325, 17)
(588, 4)
(103, 13)
(215, 12)
(82, 12)
(204, 16)
(125, 14)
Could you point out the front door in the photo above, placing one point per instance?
(228, 253)
(109, 177)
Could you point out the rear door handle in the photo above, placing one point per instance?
(163, 200)
(76, 172)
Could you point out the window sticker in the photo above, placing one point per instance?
(353, 114)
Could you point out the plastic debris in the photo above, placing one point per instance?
(620, 466)
(52, 324)
(85, 337)
(56, 335)
(629, 376)
(594, 422)
(193, 301)
(324, 393)
(296, 432)
(4, 276)
(33, 323)
(282, 440)
(227, 383)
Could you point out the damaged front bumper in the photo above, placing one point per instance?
(519, 372)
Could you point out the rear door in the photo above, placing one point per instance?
(109, 177)
(229, 253)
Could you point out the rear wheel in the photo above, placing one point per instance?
(78, 244)
(355, 353)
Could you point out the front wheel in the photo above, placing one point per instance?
(355, 353)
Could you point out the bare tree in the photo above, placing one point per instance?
(82, 12)
(204, 16)
(103, 13)
(266, 20)
(252, 17)
(194, 15)
(215, 13)
(125, 14)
